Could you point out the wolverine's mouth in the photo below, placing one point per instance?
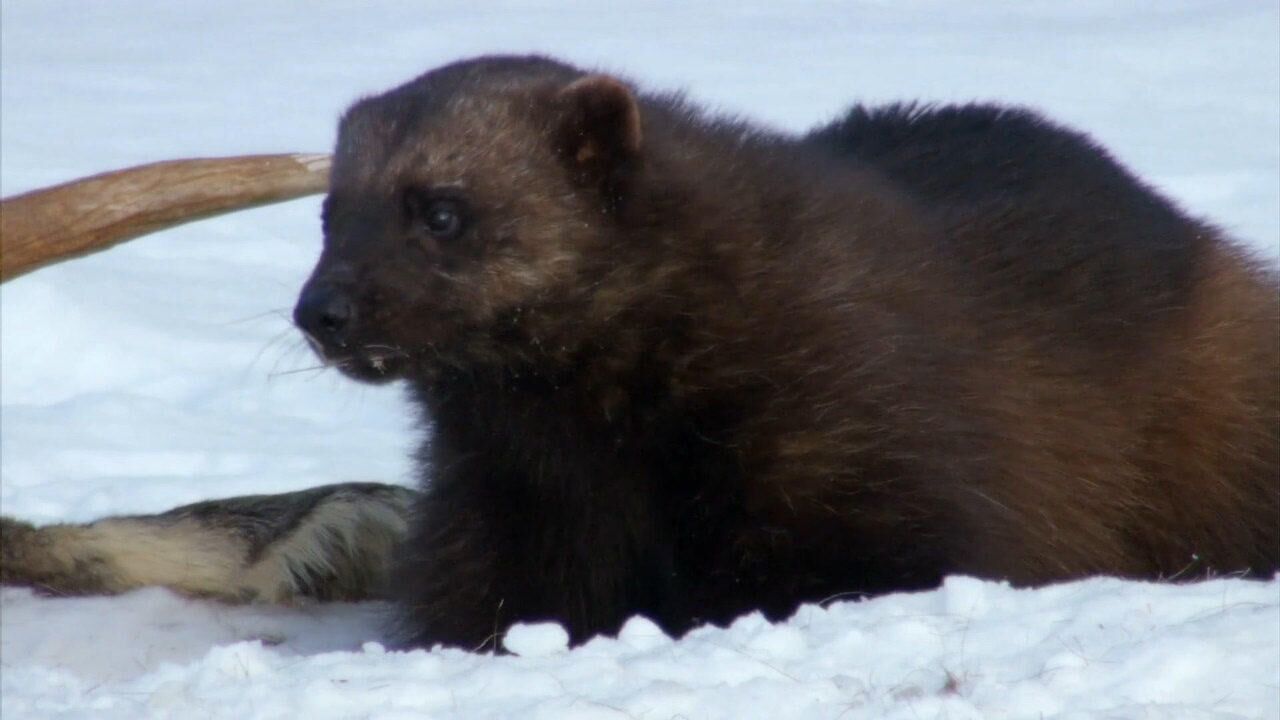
(371, 363)
(372, 367)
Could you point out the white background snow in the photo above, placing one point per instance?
(165, 371)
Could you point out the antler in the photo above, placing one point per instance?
(91, 214)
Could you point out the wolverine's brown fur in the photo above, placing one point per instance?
(681, 366)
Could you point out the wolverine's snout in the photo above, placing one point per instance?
(326, 313)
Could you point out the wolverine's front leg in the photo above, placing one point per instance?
(492, 547)
(452, 582)
(329, 543)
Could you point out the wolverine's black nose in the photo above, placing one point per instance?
(325, 313)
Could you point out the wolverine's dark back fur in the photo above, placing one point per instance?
(1036, 210)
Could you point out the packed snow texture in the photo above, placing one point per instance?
(165, 371)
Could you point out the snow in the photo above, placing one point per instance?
(971, 649)
(536, 639)
(165, 371)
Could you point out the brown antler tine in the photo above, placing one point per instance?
(91, 214)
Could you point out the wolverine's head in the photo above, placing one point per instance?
(463, 205)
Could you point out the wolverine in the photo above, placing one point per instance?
(679, 365)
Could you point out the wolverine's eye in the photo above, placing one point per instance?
(443, 218)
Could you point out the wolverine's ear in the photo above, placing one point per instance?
(599, 133)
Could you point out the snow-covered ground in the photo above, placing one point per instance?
(1101, 648)
(165, 370)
